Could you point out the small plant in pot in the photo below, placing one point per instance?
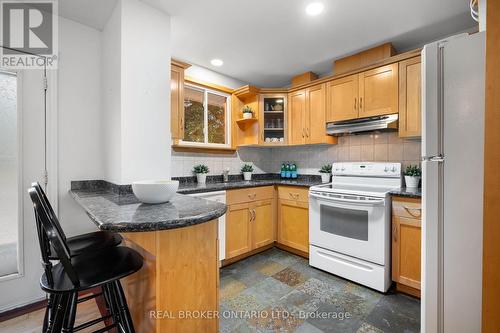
(201, 171)
(326, 173)
(412, 176)
(247, 112)
(247, 170)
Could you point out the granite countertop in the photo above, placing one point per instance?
(192, 187)
(407, 192)
(120, 211)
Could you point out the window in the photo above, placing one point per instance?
(206, 117)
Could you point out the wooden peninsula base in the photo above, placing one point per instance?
(177, 290)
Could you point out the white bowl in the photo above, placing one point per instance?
(155, 191)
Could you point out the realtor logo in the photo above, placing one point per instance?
(29, 33)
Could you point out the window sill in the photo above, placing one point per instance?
(202, 149)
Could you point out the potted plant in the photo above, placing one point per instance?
(326, 172)
(201, 171)
(247, 112)
(412, 176)
(247, 170)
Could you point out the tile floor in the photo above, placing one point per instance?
(276, 291)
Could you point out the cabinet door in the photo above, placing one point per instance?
(177, 102)
(293, 224)
(316, 114)
(262, 223)
(410, 101)
(296, 116)
(342, 98)
(406, 249)
(238, 231)
(378, 91)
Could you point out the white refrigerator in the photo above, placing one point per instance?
(452, 162)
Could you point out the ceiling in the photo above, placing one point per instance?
(266, 42)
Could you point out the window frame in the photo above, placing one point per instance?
(207, 144)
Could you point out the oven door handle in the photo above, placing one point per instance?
(359, 202)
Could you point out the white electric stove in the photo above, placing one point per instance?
(349, 222)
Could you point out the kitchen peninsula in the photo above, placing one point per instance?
(178, 241)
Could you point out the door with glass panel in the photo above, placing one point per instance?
(22, 161)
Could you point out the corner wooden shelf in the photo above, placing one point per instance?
(245, 122)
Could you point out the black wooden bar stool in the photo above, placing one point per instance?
(92, 241)
(84, 243)
(72, 275)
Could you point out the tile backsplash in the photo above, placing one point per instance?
(379, 147)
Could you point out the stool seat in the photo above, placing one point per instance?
(90, 242)
(94, 269)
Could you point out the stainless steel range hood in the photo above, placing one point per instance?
(379, 123)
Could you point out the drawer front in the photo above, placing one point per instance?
(407, 207)
(249, 194)
(293, 193)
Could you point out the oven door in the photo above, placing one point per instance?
(353, 225)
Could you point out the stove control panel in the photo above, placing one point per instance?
(372, 169)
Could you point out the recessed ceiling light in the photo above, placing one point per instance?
(217, 62)
(314, 8)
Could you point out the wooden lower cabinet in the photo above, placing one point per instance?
(238, 230)
(406, 244)
(263, 223)
(249, 225)
(293, 218)
(293, 224)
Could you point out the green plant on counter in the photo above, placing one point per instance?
(413, 171)
(327, 168)
(200, 168)
(247, 168)
(247, 109)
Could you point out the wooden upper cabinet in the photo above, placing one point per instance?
(378, 91)
(177, 99)
(296, 117)
(410, 98)
(316, 114)
(342, 99)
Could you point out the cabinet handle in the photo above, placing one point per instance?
(252, 195)
(294, 195)
(355, 103)
(254, 214)
(361, 102)
(303, 135)
(409, 210)
(395, 232)
(307, 132)
(262, 135)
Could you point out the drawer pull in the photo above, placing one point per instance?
(252, 195)
(294, 195)
(409, 211)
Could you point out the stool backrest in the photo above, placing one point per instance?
(54, 237)
(46, 202)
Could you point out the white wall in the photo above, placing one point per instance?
(79, 126)
(111, 95)
(207, 75)
(136, 98)
(145, 92)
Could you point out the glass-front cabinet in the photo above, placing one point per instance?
(272, 120)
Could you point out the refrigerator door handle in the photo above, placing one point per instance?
(437, 158)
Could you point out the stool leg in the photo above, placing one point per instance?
(70, 313)
(48, 312)
(122, 302)
(113, 308)
(55, 324)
